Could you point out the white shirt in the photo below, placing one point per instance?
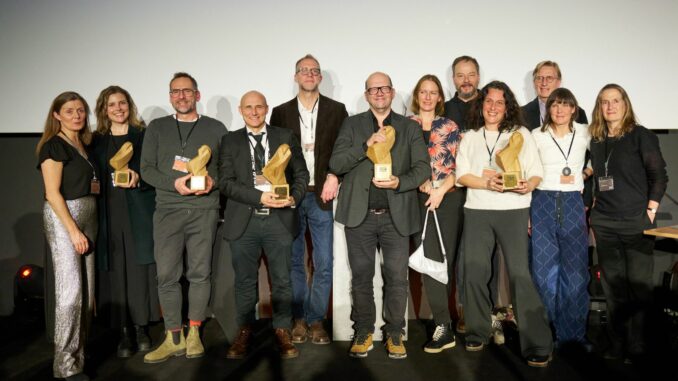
(553, 160)
(253, 143)
(307, 126)
(472, 158)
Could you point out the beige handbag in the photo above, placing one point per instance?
(419, 262)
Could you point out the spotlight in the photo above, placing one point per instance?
(29, 291)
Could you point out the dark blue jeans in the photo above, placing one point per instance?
(310, 302)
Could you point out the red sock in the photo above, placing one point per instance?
(195, 323)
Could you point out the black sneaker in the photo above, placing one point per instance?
(443, 338)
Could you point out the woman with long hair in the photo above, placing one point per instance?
(493, 213)
(630, 177)
(70, 225)
(439, 194)
(128, 285)
(559, 256)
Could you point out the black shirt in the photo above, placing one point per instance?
(457, 110)
(378, 198)
(637, 168)
(77, 172)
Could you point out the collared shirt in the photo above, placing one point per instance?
(553, 161)
(378, 198)
(253, 143)
(308, 120)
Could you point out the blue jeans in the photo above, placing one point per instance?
(310, 302)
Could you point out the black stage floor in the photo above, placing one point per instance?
(25, 354)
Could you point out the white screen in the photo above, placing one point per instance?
(230, 47)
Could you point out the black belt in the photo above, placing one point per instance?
(310, 188)
(378, 211)
(262, 211)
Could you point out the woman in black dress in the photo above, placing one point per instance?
(128, 286)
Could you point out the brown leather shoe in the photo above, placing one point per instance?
(299, 331)
(284, 340)
(238, 349)
(318, 334)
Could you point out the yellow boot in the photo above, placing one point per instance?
(167, 349)
(194, 346)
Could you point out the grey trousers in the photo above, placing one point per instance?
(174, 230)
(74, 285)
(509, 228)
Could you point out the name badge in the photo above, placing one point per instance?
(489, 172)
(605, 183)
(94, 187)
(262, 184)
(309, 147)
(567, 179)
(180, 163)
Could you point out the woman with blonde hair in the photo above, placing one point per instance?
(128, 285)
(70, 225)
(630, 178)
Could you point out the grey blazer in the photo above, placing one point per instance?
(410, 164)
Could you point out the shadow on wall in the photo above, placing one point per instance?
(30, 240)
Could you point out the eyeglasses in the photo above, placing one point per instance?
(186, 92)
(314, 71)
(382, 89)
(548, 79)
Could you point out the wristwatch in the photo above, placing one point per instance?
(652, 210)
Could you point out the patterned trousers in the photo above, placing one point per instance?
(559, 260)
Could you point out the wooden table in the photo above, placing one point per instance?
(666, 231)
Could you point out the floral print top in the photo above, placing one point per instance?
(442, 146)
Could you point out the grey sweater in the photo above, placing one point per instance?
(162, 145)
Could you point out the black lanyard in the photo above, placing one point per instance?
(301, 120)
(606, 154)
(181, 139)
(82, 154)
(254, 151)
(560, 149)
(493, 147)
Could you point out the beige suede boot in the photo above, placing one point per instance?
(166, 349)
(194, 346)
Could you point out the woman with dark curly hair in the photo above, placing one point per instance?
(128, 285)
(493, 213)
(630, 177)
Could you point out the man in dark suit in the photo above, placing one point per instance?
(465, 77)
(315, 120)
(546, 76)
(256, 219)
(383, 213)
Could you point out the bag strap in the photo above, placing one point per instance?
(440, 237)
(423, 231)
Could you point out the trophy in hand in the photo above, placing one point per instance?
(380, 154)
(509, 163)
(119, 163)
(197, 167)
(274, 172)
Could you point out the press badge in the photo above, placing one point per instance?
(605, 183)
(262, 184)
(94, 186)
(181, 163)
(567, 179)
(489, 172)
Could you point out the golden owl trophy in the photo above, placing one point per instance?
(380, 154)
(197, 167)
(119, 163)
(274, 172)
(509, 163)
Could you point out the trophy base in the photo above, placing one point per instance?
(510, 180)
(197, 183)
(282, 192)
(120, 178)
(382, 172)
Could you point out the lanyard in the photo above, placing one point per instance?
(560, 149)
(181, 139)
(606, 154)
(82, 154)
(493, 147)
(253, 152)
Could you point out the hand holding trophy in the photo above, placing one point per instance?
(380, 154)
(119, 161)
(274, 172)
(197, 167)
(508, 161)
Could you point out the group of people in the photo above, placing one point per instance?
(448, 157)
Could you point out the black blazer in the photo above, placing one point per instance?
(330, 116)
(532, 118)
(236, 180)
(411, 164)
(140, 200)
